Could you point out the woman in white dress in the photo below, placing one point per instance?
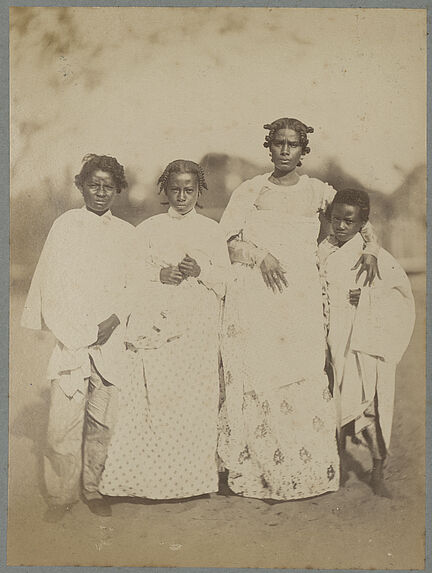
(278, 421)
(165, 440)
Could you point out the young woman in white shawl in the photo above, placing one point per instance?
(165, 441)
(368, 331)
(278, 423)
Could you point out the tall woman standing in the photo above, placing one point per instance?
(278, 421)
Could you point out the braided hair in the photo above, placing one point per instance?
(289, 123)
(182, 166)
(356, 198)
(93, 162)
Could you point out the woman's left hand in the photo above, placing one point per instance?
(368, 264)
(273, 273)
(189, 267)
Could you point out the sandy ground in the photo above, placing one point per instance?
(347, 529)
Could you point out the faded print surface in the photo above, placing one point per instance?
(149, 85)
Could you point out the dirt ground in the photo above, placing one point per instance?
(347, 529)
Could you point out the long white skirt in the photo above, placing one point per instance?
(278, 422)
(165, 440)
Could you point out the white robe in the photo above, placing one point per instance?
(278, 422)
(79, 282)
(366, 342)
(164, 444)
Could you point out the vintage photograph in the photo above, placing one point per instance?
(218, 286)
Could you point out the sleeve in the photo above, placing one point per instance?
(60, 298)
(215, 272)
(232, 224)
(245, 252)
(326, 194)
(235, 215)
(372, 246)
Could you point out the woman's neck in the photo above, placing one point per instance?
(281, 178)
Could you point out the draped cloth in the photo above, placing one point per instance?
(165, 441)
(79, 282)
(278, 421)
(366, 342)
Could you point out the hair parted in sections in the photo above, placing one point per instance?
(289, 123)
(182, 166)
(356, 198)
(93, 162)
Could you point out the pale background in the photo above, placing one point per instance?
(149, 85)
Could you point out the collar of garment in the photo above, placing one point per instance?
(356, 243)
(176, 215)
(105, 218)
(275, 181)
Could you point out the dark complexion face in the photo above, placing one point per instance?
(99, 192)
(285, 150)
(346, 221)
(182, 191)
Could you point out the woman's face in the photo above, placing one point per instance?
(182, 191)
(286, 150)
(99, 191)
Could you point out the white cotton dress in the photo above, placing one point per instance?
(278, 422)
(165, 440)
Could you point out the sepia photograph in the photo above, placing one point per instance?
(217, 287)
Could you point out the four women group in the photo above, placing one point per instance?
(152, 418)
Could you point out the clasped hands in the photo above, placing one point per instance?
(174, 275)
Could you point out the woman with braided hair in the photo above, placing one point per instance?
(165, 441)
(278, 421)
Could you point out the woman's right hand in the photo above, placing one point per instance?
(171, 276)
(273, 273)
